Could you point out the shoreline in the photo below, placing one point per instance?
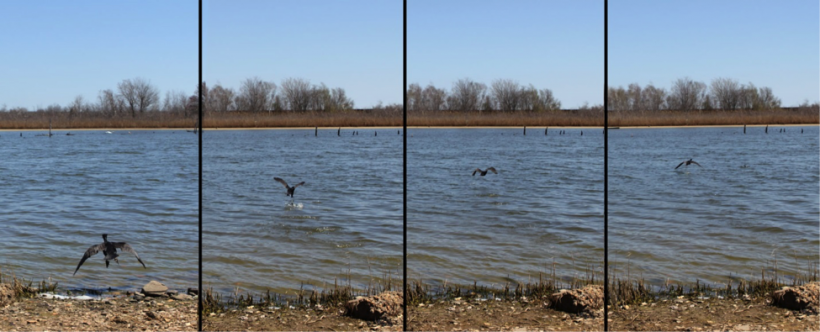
(416, 127)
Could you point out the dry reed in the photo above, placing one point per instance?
(357, 118)
(568, 118)
(625, 289)
(714, 118)
(337, 294)
(94, 120)
(547, 283)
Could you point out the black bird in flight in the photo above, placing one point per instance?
(109, 249)
(483, 173)
(688, 162)
(290, 189)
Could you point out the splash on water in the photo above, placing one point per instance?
(294, 206)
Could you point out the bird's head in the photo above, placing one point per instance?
(105, 237)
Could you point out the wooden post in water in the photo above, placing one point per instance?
(49, 127)
(582, 133)
(375, 133)
(339, 132)
(744, 129)
(316, 131)
(767, 129)
(525, 130)
(545, 131)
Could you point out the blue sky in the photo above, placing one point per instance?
(53, 51)
(768, 43)
(551, 44)
(354, 44)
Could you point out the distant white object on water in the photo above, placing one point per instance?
(108, 132)
(63, 297)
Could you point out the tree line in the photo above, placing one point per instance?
(466, 95)
(292, 94)
(687, 94)
(138, 96)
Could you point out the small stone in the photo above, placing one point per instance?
(154, 288)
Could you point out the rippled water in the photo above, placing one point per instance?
(349, 223)
(754, 200)
(59, 194)
(544, 205)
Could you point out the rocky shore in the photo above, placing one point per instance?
(383, 312)
(147, 310)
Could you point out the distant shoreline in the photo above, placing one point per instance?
(417, 127)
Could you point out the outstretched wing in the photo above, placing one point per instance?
(697, 164)
(127, 248)
(299, 184)
(282, 182)
(93, 250)
(492, 169)
(680, 164)
(476, 170)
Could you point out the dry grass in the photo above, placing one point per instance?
(64, 120)
(24, 289)
(568, 118)
(328, 295)
(357, 118)
(546, 284)
(625, 289)
(805, 115)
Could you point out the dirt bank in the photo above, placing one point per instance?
(121, 313)
(714, 314)
(504, 315)
(285, 318)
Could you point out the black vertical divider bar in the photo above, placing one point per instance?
(404, 166)
(606, 172)
(199, 210)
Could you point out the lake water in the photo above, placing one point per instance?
(754, 200)
(545, 204)
(347, 224)
(59, 194)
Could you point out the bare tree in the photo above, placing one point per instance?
(175, 102)
(685, 95)
(528, 99)
(139, 95)
(467, 95)
(297, 94)
(726, 93)
(506, 94)
(767, 100)
(340, 101)
(220, 99)
(111, 104)
(653, 98)
(618, 99)
(254, 95)
(414, 102)
(635, 97)
(433, 99)
(547, 100)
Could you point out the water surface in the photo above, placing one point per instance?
(346, 227)
(544, 206)
(754, 200)
(59, 194)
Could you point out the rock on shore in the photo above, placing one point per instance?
(586, 299)
(384, 305)
(798, 298)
